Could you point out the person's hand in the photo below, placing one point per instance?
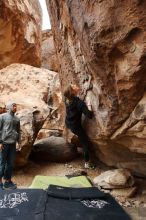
(1, 147)
(18, 147)
(89, 107)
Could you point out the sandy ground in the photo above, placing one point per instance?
(24, 176)
(135, 207)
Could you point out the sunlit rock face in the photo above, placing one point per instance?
(49, 56)
(101, 46)
(20, 32)
(31, 89)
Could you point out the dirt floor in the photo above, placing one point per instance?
(135, 206)
(24, 176)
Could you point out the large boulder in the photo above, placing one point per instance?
(114, 179)
(101, 47)
(31, 88)
(54, 149)
(49, 56)
(119, 182)
(20, 32)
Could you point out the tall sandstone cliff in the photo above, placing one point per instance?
(20, 32)
(48, 55)
(101, 45)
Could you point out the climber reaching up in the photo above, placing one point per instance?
(75, 107)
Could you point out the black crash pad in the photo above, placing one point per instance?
(82, 204)
(22, 204)
(59, 203)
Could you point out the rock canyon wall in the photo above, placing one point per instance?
(101, 47)
(20, 32)
(37, 94)
(49, 58)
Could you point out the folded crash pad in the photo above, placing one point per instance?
(82, 204)
(59, 203)
(42, 182)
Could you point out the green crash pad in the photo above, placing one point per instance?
(42, 182)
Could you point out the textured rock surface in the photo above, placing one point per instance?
(127, 192)
(31, 89)
(20, 32)
(49, 56)
(113, 179)
(101, 46)
(54, 149)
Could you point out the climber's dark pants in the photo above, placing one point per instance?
(83, 138)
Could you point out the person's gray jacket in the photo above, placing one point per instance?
(9, 127)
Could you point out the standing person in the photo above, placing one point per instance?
(9, 136)
(74, 109)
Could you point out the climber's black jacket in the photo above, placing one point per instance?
(74, 110)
